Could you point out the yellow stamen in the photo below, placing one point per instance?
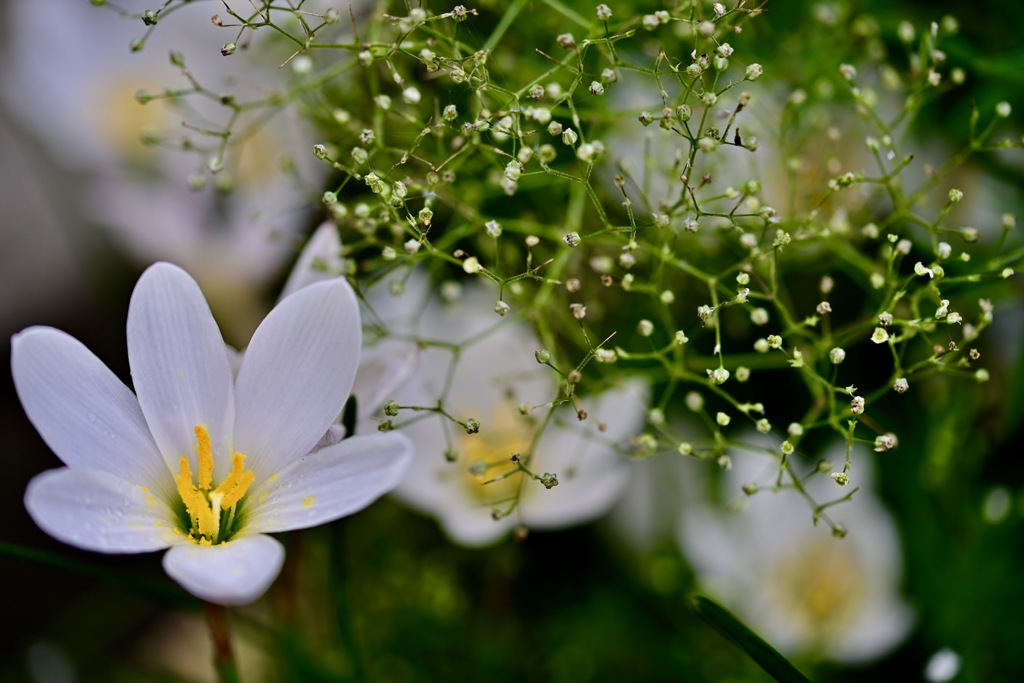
(205, 457)
(236, 493)
(204, 507)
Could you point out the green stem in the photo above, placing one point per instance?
(220, 630)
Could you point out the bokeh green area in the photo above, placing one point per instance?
(384, 596)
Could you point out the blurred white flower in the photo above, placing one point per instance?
(495, 375)
(806, 592)
(71, 80)
(154, 469)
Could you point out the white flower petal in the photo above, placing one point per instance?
(331, 483)
(233, 573)
(296, 375)
(179, 366)
(382, 369)
(100, 511)
(86, 415)
(320, 260)
(591, 475)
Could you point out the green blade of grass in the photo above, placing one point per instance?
(763, 654)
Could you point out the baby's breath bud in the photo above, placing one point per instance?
(837, 355)
(605, 356)
(1006, 273)
(680, 338)
(667, 297)
(742, 373)
(646, 118)
(513, 170)
(691, 225)
(388, 254)
(609, 76)
(566, 41)
(775, 341)
(787, 448)
(685, 448)
(572, 239)
(472, 265)
(840, 478)
(955, 196)
(320, 152)
(579, 311)
(857, 405)
(848, 71)
(650, 22)
(981, 375)
(743, 278)
(329, 198)
(385, 426)
(944, 250)
(722, 419)
(759, 316)
(725, 462)
(596, 88)
(459, 13)
(880, 335)
(359, 155)
(885, 319)
(943, 309)
(795, 429)
(501, 308)
(472, 426)
(900, 385)
(762, 345)
(549, 480)
(645, 328)
(749, 488)
(921, 270)
(823, 308)
(1003, 110)
(719, 376)
(754, 72)
(886, 442)
(228, 49)
(367, 137)
(604, 12)
(569, 137)
(709, 99)
(411, 246)
(694, 401)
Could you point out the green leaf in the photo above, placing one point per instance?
(766, 656)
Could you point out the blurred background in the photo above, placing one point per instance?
(385, 595)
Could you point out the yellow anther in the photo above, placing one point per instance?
(235, 494)
(230, 481)
(205, 457)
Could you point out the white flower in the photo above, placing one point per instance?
(497, 373)
(78, 98)
(802, 589)
(197, 460)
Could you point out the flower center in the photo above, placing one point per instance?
(212, 512)
(491, 476)
(820, 588)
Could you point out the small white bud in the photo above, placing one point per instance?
(722, 419)
(501, 308)
(857, 405)
(837, 355)
(880, 335)
(645, 328)
(901, 385)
